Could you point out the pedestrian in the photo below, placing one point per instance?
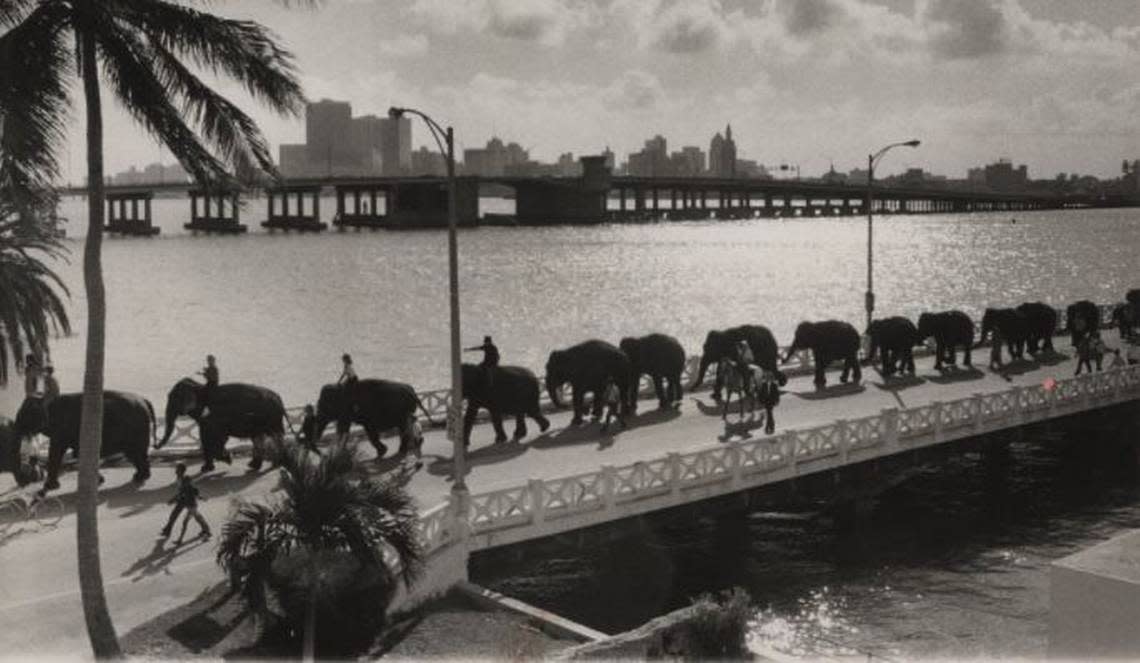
(612, 399)
(179, 472)
(490, 359)
(309, 427)
(187, 498)
(32, 372)
(1091, 348)
(210, 372)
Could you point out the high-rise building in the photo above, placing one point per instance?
(1002, 176)
(428, 162)
(722, 154)
(652, 160)
(329, 137)
(396, 145)
(494, 159)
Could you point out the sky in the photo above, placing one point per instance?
(1054, 84)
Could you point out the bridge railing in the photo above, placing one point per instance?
(733, 465)
(437, 401)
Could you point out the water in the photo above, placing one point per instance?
(280, 309)
(940, 573)
(949, 565)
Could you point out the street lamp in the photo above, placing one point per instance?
(873, 159)
(445, 140)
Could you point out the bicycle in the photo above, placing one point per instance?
(45, 510)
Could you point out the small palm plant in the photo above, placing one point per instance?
(31, 306)
(331, 549)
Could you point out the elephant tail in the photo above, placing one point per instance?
(153, 422)
(427, 414)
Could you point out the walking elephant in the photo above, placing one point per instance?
(1083, 318)
(662, 358)
(588, 367)
(828, 340)
(894, 338)
(721, 344)
(1041, 321)
(513, 391)
(1010, 327)
(950, 329)
(128, 428)
(376, 405)
(234, 410)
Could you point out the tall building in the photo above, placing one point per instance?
(689, 162)
(329, 137)
(652, 160)
(338, 144)
(495, 159)
(722, 154)
(396, 145)
(428, 162)
(1002, 176)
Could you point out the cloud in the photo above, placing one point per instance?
(965, 29)
(404, 46)
(808, 17)
(634, 90)
(543, 21)
(689, 26)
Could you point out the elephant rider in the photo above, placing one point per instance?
(210, 372)
(32, 373)
(490, 358)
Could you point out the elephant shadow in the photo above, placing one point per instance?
(744, 427)
(486, 455)
(650, 418)
(1017, 367)
(899, 383)
(952, 375)
(159, 558)
(1051, 358)
(831, 391)
(586, 433)
(717, 409)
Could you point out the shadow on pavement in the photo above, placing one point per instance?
(952, 375)
(586, 433)
(159, 558)
(487, 455)
(833, 391)
(899, 383)
(134, 499)
(1017, 367)
(743, 428)
(650, 418)
(214, 624)
(1051, 358)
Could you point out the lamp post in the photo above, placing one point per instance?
(873, 159)
(445, 140)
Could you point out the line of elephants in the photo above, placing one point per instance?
(257, 413)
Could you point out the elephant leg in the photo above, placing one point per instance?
(576, 398)
(820, 380)
(952, 354)
(856, 371)
(845, 374)
(497, 422)
(468, 422)
(769, 420)
(938, 352)
(258, 455)
(55, 459)
(676, 386)
(520, 426)
(966, 355)
(542, 421)
(373, 434)
(724, 405)
(207, 455)
(659, 389)
(888, 365)
(1047, 346)
(908, 361)
(718, 383)
(141, 462)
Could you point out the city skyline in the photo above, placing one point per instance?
(812, 83)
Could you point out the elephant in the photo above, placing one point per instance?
(1124, 317)
(588, 367)
(1011, 327)
(721, 344)
(894, 338)
(514, 391)
(128, 428)
(1082, 317)
(950, 329)
(1041, 320)
(235, 410)
(662, 358)
(377, 405)
(829, 340)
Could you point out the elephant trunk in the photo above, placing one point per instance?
(702, 369)
(170, 417)
(552, 389)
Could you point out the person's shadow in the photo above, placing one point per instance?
(159, 558)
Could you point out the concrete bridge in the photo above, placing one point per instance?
(595, 197)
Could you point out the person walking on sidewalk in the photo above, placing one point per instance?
(186, 499)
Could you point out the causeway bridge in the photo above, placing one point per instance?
(597, 196)
(572, 478)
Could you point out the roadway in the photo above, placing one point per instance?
(39, 603)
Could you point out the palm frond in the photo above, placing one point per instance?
(34, 104)
(14, 11)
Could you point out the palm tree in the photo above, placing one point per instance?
(326, 508)
(31, 308)
(148, 52)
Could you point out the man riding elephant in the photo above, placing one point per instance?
(235, 410)
(721, 344)
(1010, 327)
(894, 338)
(588, 366)
(1083, 318)
(377, 406)
(511, 391)
(128, 428)
(829, 340)
(1041, 323)
(951, 330)
(662, 358)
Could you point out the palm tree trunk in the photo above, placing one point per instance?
(309, 646)
(100, 630)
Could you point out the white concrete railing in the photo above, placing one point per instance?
(436, 401)
(543, 507)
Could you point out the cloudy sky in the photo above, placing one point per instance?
(1051, 83)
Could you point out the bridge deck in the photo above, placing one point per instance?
(40, 595)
